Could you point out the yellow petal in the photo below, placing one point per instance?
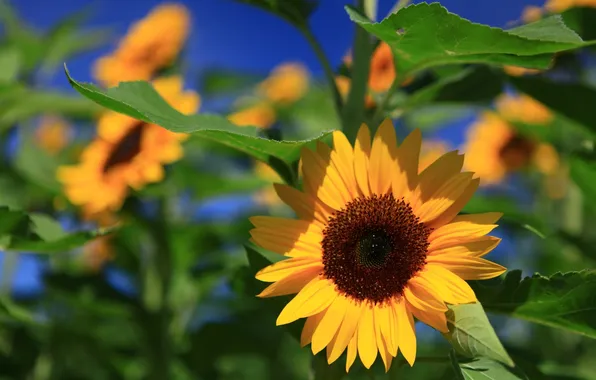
(381, 343)
(285, 268)
(309, 328)
(405, 332)
(382, 158)
(435, 319)
(446, 284)
(287, 236)
(342, 158)
(476, 248)
(367, 342)
(421, 298)
(449, 214)
(352, 350)
(346, 331)
(462, 228)
(439, 172)
(329, 324)
(408, 156)
(322, 180)
(361, 159)
(468, 267)
(384, 318)
(304, 205)
(444, 197)
(291, 284)
(315, 297)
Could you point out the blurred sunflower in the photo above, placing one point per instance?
(376, 245)
(126, 153)
(494, 148)
(97, 252)
(286, 84)
(558, 6)
(150, 45)
(53, 134)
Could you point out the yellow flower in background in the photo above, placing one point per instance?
(375, 245)
(516, 71)
(382, 69)
(150, 45)
(97, 252)
(558, 6)
(127, 153)
(430, 151)
(531, 13)
(286, 84)
(261, 115)
(267, 196)
(53, 134)
(522, 108)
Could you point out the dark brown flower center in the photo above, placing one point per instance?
(517, 152)
(373, 246)
(126, 149)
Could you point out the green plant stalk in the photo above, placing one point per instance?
(352, 114)
(380, 111)
(371, 9)
(327, 68)
(8, 270)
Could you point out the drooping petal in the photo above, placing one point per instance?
(444, 197)
(309, 328)
(381, 342)
(446, 284)
(352, 351)
(304, 205)
(468, 267)
(315, 297)
(422, 298)
(329, 325)
(476, 248)
(463, 228)
(291, 284)
(367, 342)
(346, 331)
(382, 158)
(362, 150)
(405, 332)
(385, 320)
(285, 268)
(433, 318)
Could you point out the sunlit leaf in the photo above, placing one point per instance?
(425, 35)
(472, 335)
(563, 300)
(141, 101)
(486, 369)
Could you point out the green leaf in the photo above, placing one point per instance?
(582, 20)
(471, 334)
(10, 59)
(563, 300)
(455, 366)
(486, 369)
(140, 101)
(425, 35)
(296, 12)
(512, 215)
(572, 100)
(38, 233)
(37, 166)
(21, 104)
(583, 174)
(471, 85)
(220, 81)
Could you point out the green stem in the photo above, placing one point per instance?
(380, 111)
(327, 68)
(9, 266)
(399, 5)
(353, 112)
(159, 319)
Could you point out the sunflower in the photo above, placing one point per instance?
(376, 245)
(261, 114)
(126, 153)
(494, 148)
(53, 134)
(558, 6)
(150, 45)
(286, 84)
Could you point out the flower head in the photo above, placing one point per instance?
(376, 244)
(127, 153)
(286, 84)
(151, 44)
(53, 134)
(261, 115)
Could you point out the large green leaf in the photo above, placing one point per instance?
(425, 35)
(38, 233)
(572, 100)
(582, 20)
(296, 12)
(486, 369)
(471, 85)
(9, 64)
(141, 101)
(583, 174)
(563, 300)
(472, 335)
